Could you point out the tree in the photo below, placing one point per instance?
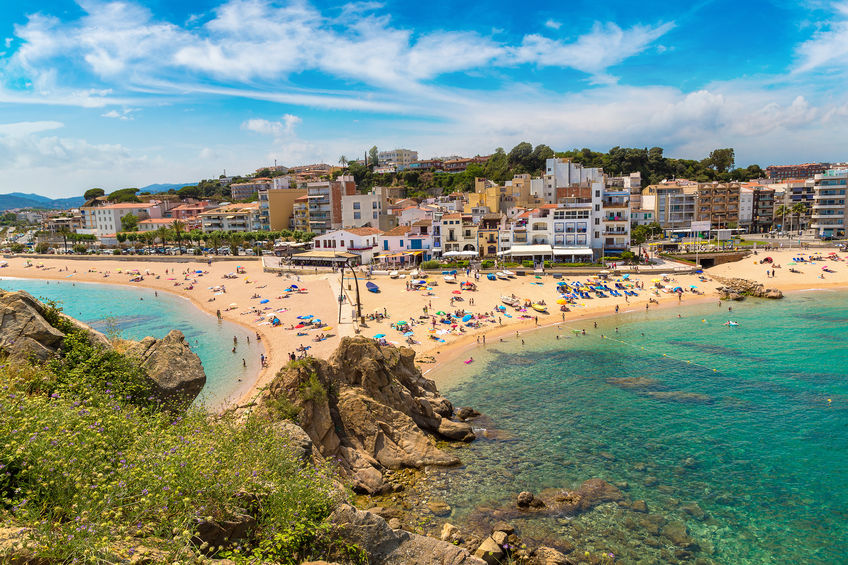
(129, 222)
(190, 192)
(721, 159)
(642, 233)
(372, 156)
(42, 247)
(179, 230)
(343, 161)
(781, 212)
(124, 195)
(799, 209)
(162, 233)
(497, 167)
(93, 193)
(520, 155)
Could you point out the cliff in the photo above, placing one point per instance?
(370, 408)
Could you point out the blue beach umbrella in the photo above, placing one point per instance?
(407, 334)
(467, 317)
(264, 301)
(378, 336)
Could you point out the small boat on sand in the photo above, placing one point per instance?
(450, 278)
(393, 275)
(491, 276)
(372, 287)
(510, 301)
(539, 307)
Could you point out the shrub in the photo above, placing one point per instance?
(80, 248)
(487, 263)
(42, 247)
(312, 389)
(16, 248)
(116, 252)
(430, 265)
(527, 264)
(283, 408)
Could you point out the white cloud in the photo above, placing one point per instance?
(283, 128)
(20, 129)
(125, 114)
(827, 47)
(553, 24)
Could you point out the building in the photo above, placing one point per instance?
(565, 179)
(805, 171)
(829, 203)
(717, 203)
(62, 223)
(672, 204)
(232, 218)
(325, 203)
(154, 224)
(459, 233)
(359, 210)
(276, 207)
(400, 158)
(190, 211)
(746, 206)
(762, 210)
(300, 213)
(248, 190)
(107, 219)
(362, 242)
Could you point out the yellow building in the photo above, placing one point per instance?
(498, 199)
(281, 207)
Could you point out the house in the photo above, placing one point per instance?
(232, 218)
(362, 242)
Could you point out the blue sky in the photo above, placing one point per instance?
(128, 93)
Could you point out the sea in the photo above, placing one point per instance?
(739, 432)
(134, 313)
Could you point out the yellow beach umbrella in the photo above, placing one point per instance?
(562, 301)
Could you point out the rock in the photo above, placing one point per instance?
(490, 552)
(651, 480)
(439, 507)
(527, 500)
(639, 506)
(694, 510)
(503, 527)
(607, 455)
(548, 556)
(466, 413)
(394, 523)
(652, 523)
(449, 532)
(377, 411)
(689, 463)
(394, 547)
(223, 533)
(590, 494)
(772, 293)
(680, 396)
(297, 438)
(499, 538)
(737, 289)
(174, 368)
(677, 533)
(639, 466)
(457, 431)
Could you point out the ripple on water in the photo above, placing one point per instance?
(757, 474)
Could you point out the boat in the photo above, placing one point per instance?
(450, 278)
(501, 275)
(491, 277)
(393, 275)
(372, 287)
(508, 273)
(539, 307)
(509, 301)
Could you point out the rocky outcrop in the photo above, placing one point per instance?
(170, 363)
(738, 289)
(26, 334)
(370, 408)
(395, 547)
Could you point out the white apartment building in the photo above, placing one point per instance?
(107, 219)
(563, 174)
(400, 158)
(829, 203)
(746, 206)
(232, 218)
(245, 190)
(325, 203)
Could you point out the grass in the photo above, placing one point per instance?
(94, 468)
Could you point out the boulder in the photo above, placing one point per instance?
(466, 413)
(548, 556)
(217, 533)
(590, 494)
(298, 439)
(503, 527)
(24, 332)
(639, 506)
(449, 532)
(490, 552)
(439, 507)
(394, 547)
(173, 367)
(528, 500)
(677, 533)
(457, 431)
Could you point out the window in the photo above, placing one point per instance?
(400, 243)
(374, 205)
(356, 205)
(342, 242)
(357, 215)
(375, 215)
(351, 243)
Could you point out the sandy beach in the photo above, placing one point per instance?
(435, 343)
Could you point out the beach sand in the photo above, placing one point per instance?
(320, 299)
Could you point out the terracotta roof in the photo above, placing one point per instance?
(128, 205)
(363, 231)
(423, 223)
(232, 208)
(400, 230)
(157, 221)
(453, 216)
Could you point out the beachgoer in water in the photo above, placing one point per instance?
(243, 362)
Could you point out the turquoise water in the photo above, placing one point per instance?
(103, 306)
(736, 420)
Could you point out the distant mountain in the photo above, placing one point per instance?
(22, 200)
(164, 187)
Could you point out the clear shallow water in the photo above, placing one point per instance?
(102, 305)
(769, 454)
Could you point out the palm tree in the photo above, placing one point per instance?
(179, 230)
(343, 161)
(162, 233)
(799, 209)
(781, 212)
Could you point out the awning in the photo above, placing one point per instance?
(460, 254)
(414, 252)
(572, 251)
(521, 250)
(319, 255)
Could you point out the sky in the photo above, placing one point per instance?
(134, 92)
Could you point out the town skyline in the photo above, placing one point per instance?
(116, 94)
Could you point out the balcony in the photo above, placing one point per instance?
(839, 214)
(616, 219)
(611, 204)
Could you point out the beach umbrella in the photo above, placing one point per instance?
(693, 286)
(402, 323)
(264, 301)
(198, 271)
(440, 313)
(292, 286)
(298, 326)
(457, 292)
(307, 317)
(407, 334)
(627, 276)
(656, 280)
(378, 336)
(233, 305)
(467, 317)
(562, 301)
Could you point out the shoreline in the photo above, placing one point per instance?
(402, 304)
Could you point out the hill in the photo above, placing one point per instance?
(164, 187)
(22, 200)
